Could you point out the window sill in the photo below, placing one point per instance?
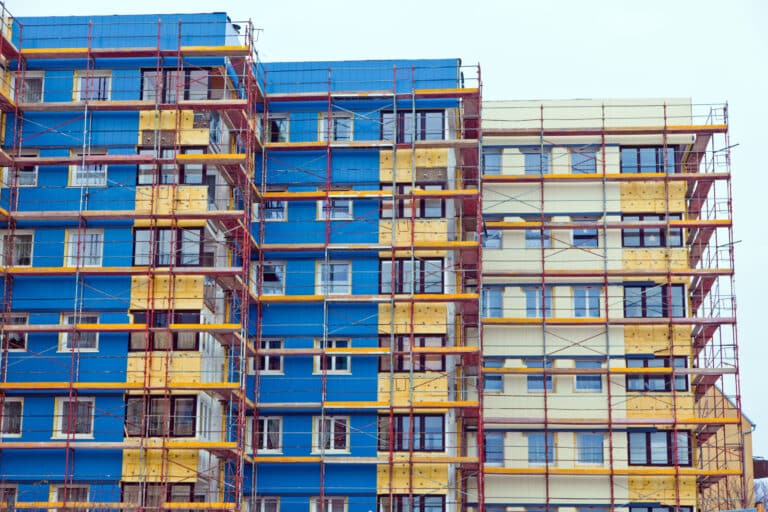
(332, 372)
(330, 452)
(64, 437)
(81, 350)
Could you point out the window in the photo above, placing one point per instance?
(537, 161)
(334, 279)
(656, 507)
(652, 301)
(70, 494)
(341, 124)
(534, 303)
(163, 247)
(651, 236)
(25, 174)
(536, 382)
(167, 170)
(585, 237)
(159, 338)
(331, 434)
(409, 203)
(420, 433)
(269, 433)
(15, 340)
(583, 161)
(493, 302)
(17, 249)
(93, 85)
(74, 417)
(586, 301)
(275, 211)
(402, 503)
(492, 161)
(8, 498)
(657, 382)
(589, 447)
(157, 416)
(492, 239)
(587, 382)
(28, 86)
(404, 360)
(84, 248)
(541, 448)
(538, 238)
(153, 495)
(273, 278)
(328, 504)
(424, 125)
(171, 85)
(265, 504)
(277, 128)
(12, 415)
(80, 340)
(648, 159)
(493, 382)
(411, 276)
(659, 448)
(334, 209)
(333, 363)
(494, 447)
(270, 363)
(88, 175)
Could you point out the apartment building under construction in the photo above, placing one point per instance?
(352, 286)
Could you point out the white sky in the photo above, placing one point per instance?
(709, 50)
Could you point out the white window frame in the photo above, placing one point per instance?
(317, 431)
(54, 496)
(322, 131)
(283, 217)
(17, 233)
(332, 288)
(85, 176)
(286, 135)
(268, 358)
(334, 359)
(274, 264)
(59, 420)
(314, 503)
(71, 258)
(261, 435)
(99, 73)
(8, 321)
(13, 399)
(7, 176)
(259, 504)
(66, 319)
(344, 214)
(28, 74)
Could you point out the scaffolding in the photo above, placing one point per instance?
(608, 261)
(152, 123)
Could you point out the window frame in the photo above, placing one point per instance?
(17, 420)
(420, 269)
(339, 115)
(83, 175)
(533, 299)
(665, 309)
(661, 160)
(402, 502)
(60, 419)
(401, 429)
(262, 436)
(262, 362)
(537, 168)
(9, 319)
(498, 456)
(23, 170)
(150, 339)
(647, 382)
(55, 495)
(279, 135)
(84, 318)
(648, 445)
(585, 383)
(419, 207)
(418, 360)
(281, 277)
(81, 75)
(538, 238)
(405, 126)
(10, 259)
(590, 295)
(548, 449)
(143, 488)
(147, 411)
(583, 452)
(330, 287)
(73, 260)
(496, 378)
(169, 171)
(496, 167)
(175, 245)
(283, 217)
(318, 432)
(336, 211)
(493, 302)
(16, 80)
(164, 88)
(329, 364)
(262, 504)
(587, 154)
(536, 383)
(668, 237)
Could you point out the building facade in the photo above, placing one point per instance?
(351, 286)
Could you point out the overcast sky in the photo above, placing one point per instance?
(709, 50)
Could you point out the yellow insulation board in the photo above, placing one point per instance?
(186, 292)
(662, 489)
(428, 318)
(184, 367)
(167, 199)
(424, 158)
(655, 339)
(181, 465)
(657, 259)
(649, 197)
(426, 388)
(426, 478)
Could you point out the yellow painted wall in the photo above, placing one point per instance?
(167, 199)
(180, 465)
(662, 489)
(185, 367)
(427, 387)
(427, 478)
(430, 318)
(166, 120)
(187, 292)
(650, 197)
(424, 158)
(655, 339)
